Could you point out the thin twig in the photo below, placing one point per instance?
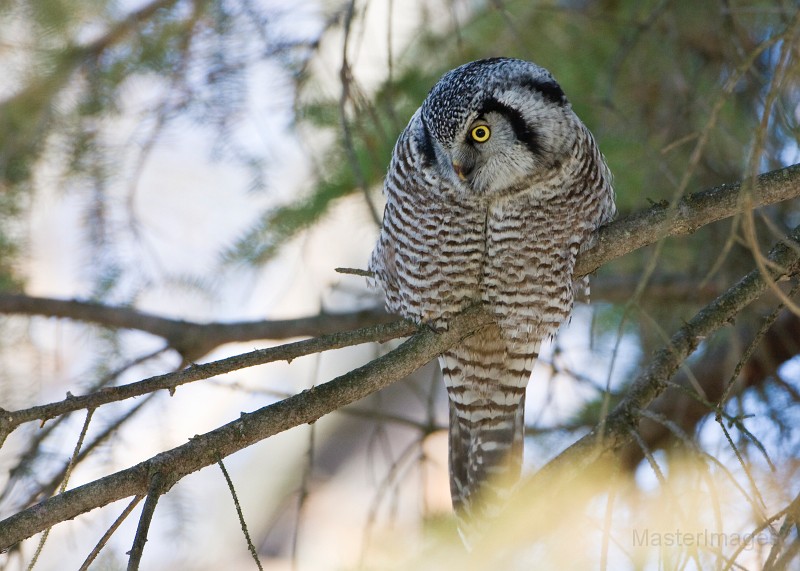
(649, 456)
(9, 420)
(761, 506)
(346, 78)
(242, 523)
(355, 272)
(153, 495)
(26, 458)
(790, 509)
(792, 520)
(109, 532)
(308, 406)
(705, 474)
(702, 455)
(64, 482)
(748, 352)
(787, 47)
(394, 475)
(47, 488)
(608, 518)
(305, 481)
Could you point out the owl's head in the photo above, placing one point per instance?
(496, 126)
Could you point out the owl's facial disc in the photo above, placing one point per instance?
(464, 159)
(488, 144)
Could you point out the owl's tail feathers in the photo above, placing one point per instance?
(486, 441)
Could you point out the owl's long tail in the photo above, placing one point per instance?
(486, 383)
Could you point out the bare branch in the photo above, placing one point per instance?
(679, 403)
(689, 214)
(209, 448)
(155, 490)
(240, 513)
(621, 237)
(309, 405)
(9, 420)
(191, 339)
(109, 532)
(67, 472)
(614, 432)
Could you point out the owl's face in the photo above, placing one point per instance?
(495, 127)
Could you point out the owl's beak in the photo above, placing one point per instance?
(461, 170)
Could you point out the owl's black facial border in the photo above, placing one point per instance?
(426, 144)
(524, 132)
(550, 90)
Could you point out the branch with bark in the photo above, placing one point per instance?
(614, 432)
(193, 339)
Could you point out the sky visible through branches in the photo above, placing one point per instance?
(179, 180)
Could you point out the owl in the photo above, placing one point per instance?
(494, 188)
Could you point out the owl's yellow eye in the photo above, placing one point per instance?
(480, 134)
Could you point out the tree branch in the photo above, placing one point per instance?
(10, 420)
(154, 492)
(209, 448)
(780, 343)
(615, 240)
(193, 340)
(685, 217)
(615, 432)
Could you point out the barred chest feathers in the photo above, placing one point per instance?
(493, 189)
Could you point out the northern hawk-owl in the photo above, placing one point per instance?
(494, 187)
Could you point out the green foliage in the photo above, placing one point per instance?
(374, 127)
(647, 77)
(73, 82)
(652, 79)
(278, 225)
(643, 75)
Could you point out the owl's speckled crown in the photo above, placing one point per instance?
(465, 89)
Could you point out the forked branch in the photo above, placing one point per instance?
(621, 237)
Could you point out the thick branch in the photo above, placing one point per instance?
(9, 420)
(209, 448)
(617, 430)
(621, 237)
(306, 407)
(689, 214)
(191, 339)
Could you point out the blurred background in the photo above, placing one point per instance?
(214, 161)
